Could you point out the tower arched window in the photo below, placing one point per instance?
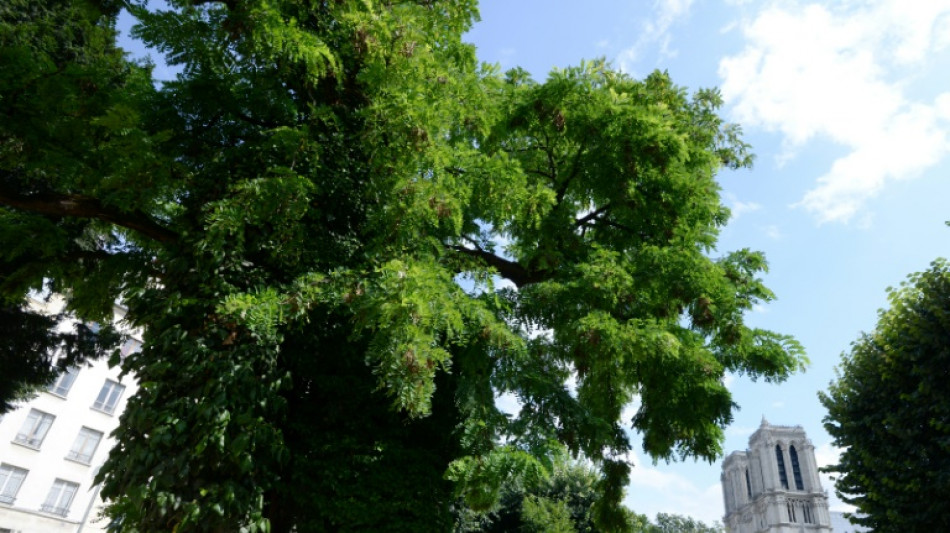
(796, 469)
(748, 484)
(780, 459)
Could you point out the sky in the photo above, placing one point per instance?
(847, 107)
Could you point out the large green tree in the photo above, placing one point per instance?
(889, 411)
(342, 238)
(563, 502)
(61, 74)
(673, 523)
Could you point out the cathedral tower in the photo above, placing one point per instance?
(773, 486)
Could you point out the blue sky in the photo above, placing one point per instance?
(847, 106)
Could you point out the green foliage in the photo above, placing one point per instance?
(343, 238)
(560, 502)
(671, 523)
(888, 411)
(565, 502)
(31, 341)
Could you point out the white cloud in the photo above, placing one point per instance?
(772, 232)
(942, 105)
(654, 490)
(655, 31)
(738, 207)
(842, 74)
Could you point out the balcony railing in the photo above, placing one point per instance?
(27, 440)
(79, 457)
(52, 509)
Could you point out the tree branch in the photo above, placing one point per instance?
(81, 206)
(540, 173)
(510, 270)
(231, 4)
(575, 169)
(591, 216)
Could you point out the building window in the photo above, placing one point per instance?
(129, 346)
(85, 445)
(109, 396)
(796, 470)
(800, 511)
(64, 382)
(60, 497)
(780, 459)
(748, 484)
(11, 478)
(34, 429)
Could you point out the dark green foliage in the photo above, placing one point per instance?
(310, 225)
(671, 523)
(889, 411)
(34, 350)
(564, 501)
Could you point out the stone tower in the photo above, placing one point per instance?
(773, 486)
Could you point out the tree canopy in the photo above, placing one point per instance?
(342, 238)
(888, 411)
(563, 502)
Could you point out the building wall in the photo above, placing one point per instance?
(49, 461)
(756, 496)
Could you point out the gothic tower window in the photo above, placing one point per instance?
(748, 484)
(796, 470)
(780, 458)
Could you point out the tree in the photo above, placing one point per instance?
(563, 501)
(311, 225)
(52, 55)
(35, 349)
(672, 523)
(888, 411)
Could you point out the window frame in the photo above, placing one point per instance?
(70, 373)
(7, 471)
(796, 468)
(85, 458)
(111, 392)
(57, 491)
(29, 439)
(780, 461)
(748, 484)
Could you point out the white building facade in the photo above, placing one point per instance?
(52, 446)
(773, 486)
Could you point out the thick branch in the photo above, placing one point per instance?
(510, 270)
(231, 4)
(541, 173)
(575, 170)
(81, 206)
(591, 216)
